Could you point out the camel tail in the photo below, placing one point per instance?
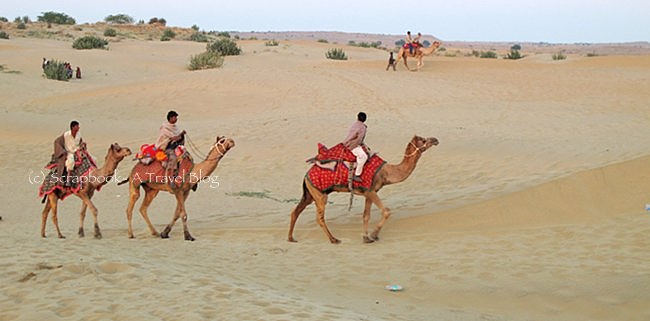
(122, 182)
(44, 198)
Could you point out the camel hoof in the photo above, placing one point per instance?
(292, 240)
(335, 241)
(131, 236)
(190, 238)
(98, 236)
(81, 232)
(368, 240)
(164, 236)
(61, 236)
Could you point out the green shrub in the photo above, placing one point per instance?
(57, 18)
(21, 25)
(559, 56)
(90, 42)
(199, 37)
(169, 33)
(592, 54)
(56, 70)
(195, 27)
(225, 47)
(336, 54)
(3, 19)
(441, 49)
(322, 40)
(4, 35)
(488, 54)
(110, 32)
(514, 55)
(476, 53)
(515, 47)
(271, 43)
(119, 19)
(206, 60)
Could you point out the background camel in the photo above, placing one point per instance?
(388, 174)
(199, 172)
(418, 53)
(97, 177)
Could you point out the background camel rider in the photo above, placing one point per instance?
(354, 142)
(65, 147)
(170, 137)
(416, 42)
(409, 41)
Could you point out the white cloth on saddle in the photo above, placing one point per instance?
(167, 131)
(71, 146)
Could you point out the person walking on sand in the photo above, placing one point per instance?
(355, 143)
(391, 62)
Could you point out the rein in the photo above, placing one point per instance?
(417, 149)
(216, 146)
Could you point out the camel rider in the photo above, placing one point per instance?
(354, 142)
(65, 147)
(409, 42)
(170, 137)
(416, 42)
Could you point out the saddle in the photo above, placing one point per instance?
(155, 171)
(335, 167)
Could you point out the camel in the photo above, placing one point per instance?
(198, 173)
(388, 174)
(418, 53)
(97, 177)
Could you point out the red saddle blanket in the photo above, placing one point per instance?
(155, 173)
(325, 178)
(70, 183)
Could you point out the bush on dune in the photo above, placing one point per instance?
(56, 70)
(225, 47)
(206, 60)
(90, 42)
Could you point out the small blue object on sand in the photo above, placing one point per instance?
(394, 288)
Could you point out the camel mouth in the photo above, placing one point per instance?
(433, 141)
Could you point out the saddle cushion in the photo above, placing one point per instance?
(83, 163)
(325, 179)
(155, 173)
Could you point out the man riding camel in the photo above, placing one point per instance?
(169, 138)
(65, 147)
(354, 142)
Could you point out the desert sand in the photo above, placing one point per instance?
(531, 208)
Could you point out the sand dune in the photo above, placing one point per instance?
(531, 207)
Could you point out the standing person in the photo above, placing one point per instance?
(354, 142)
(65, 147)
(78, 72)
(170, 137)
(409, 41)
(391, 62)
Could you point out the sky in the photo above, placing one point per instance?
(552, 21)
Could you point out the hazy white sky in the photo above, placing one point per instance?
(555, 21)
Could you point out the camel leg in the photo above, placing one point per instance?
(366, 219)
(46, 211)
(149, 195)
(85, 197)
(186, 231)
(320, 199)
(82, 216)
(54, 200)
(134, 194)
(180, 210)
(385, 212)
(304, 201)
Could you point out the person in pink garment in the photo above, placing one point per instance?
(354, 142)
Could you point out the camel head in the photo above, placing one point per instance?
(422, 143)
(223, 144)
(118, 152)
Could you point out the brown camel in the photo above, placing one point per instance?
(198, 173)
(388, 174)
(97, 177)
(418, 53)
